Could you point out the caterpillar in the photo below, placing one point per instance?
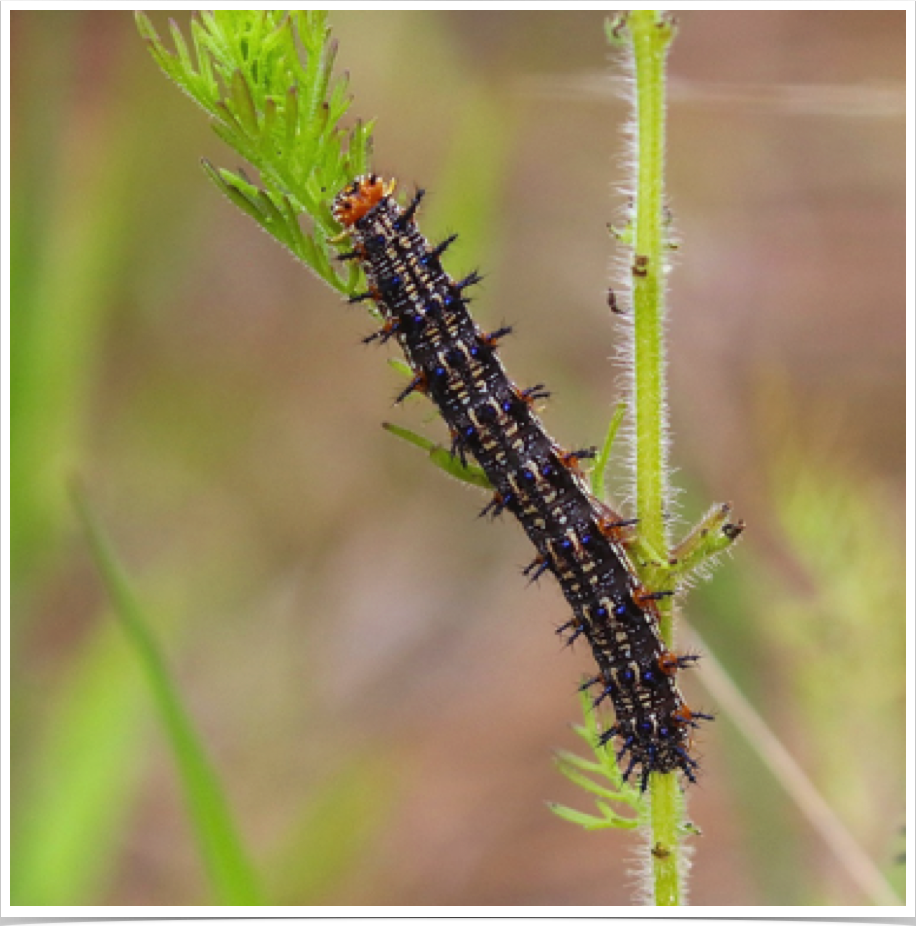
(576, 536)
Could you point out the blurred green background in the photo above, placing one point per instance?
(375, 685)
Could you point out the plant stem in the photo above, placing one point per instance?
(650, 35)
(650, 41)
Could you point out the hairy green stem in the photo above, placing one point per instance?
(650, 35)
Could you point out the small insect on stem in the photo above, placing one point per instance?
(612, 302)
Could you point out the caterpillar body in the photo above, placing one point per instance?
(577, 537)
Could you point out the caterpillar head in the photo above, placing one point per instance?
(359, 197)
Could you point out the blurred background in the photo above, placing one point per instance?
(377, 688)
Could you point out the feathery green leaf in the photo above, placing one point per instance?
(266, 78)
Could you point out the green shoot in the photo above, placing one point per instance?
(229, 871)
(265, 79)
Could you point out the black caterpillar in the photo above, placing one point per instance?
(576, 536)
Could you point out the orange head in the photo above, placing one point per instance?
(356, 199)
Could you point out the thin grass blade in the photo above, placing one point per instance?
(230, 873)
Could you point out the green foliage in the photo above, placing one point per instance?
(604, 456)
(231, 877)
(265, 79)
(444, 459)
(578, 770)
(80, 781)
(648, 34)
(84, 226)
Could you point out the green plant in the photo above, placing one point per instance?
(82, 235)
(647, 35)
(282, 114)
(281, 110)
(228, 869)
